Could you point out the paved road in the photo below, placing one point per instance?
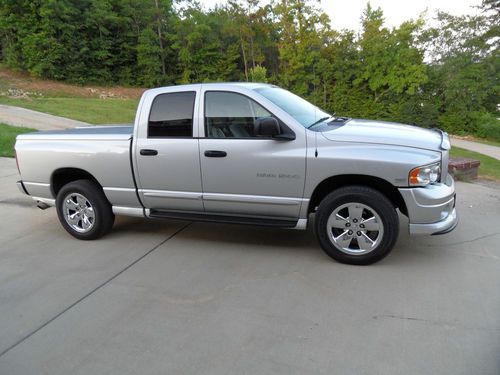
(166, 297)
(27, 118)
(493, 151)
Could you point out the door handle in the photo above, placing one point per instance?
(215, 154)
(147, 152)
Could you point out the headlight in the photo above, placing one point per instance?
(425, 175)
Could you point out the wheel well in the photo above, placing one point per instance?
(335, 182)
(66, 175)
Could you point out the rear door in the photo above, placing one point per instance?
(167, 153)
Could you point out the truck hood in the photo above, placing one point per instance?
(389, 133)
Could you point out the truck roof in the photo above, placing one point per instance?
(248, 85)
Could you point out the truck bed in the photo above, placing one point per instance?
(101, 151)
(104, 132)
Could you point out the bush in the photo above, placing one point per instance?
(488, 126)
(456, 123)
(258, 74)
(479, 123)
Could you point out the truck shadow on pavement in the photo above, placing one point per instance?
(238, 238)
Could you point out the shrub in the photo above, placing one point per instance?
(488, 126)
(258, 74)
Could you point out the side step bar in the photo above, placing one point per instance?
(281, 223)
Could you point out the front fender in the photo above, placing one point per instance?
(387, 162)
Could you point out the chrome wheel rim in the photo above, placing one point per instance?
(78, 213)
(355, 228)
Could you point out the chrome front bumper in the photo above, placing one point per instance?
(431, 210)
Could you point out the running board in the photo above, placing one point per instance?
(281, 223)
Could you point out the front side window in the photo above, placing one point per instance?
(231, 115)
(172, 115)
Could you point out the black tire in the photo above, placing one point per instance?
(370, 201)
(96, 204)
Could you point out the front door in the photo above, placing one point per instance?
(243, 174)
(167, 156)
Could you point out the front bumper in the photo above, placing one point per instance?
(431, 210)
(441, 227)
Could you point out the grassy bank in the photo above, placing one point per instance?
(8, 138)
(91, 110)
(489, 168)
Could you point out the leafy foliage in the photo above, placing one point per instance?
(258, 74)
(444, 76)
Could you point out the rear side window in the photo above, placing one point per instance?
(172, 115)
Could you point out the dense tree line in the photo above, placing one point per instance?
(446, 75)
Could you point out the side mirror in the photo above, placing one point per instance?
(267, 127)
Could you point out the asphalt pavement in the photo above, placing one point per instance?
(489, 150)
(17, 116)
(169, 297)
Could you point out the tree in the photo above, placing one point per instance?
(464, 61)
(303, 33)
(390, 66)
(379, 73)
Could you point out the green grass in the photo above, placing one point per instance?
(8, 138)
(489, 167)
(91, 110)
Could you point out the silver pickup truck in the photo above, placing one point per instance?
(248, 154)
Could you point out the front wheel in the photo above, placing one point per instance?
(356, 225)
(83, 210)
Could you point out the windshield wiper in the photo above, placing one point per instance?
(317, 122)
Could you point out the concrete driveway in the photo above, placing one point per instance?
(166, 297)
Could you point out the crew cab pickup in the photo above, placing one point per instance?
(246, 153)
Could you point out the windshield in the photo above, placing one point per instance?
(300, 109)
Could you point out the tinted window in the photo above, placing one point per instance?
(172, 115)
(231, 115)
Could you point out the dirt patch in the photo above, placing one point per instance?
(25, 85)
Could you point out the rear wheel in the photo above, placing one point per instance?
(84, 210)
(356, 225)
